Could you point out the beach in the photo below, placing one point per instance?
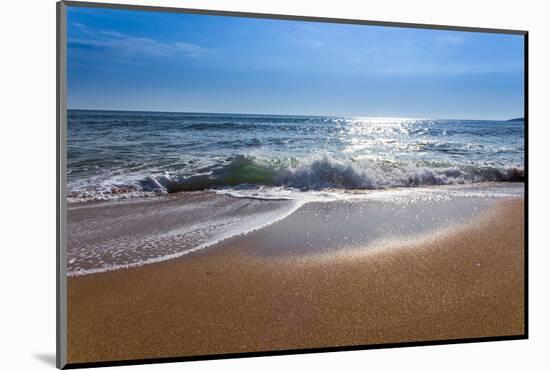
(266, 288)
(216, 233)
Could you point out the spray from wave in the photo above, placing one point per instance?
(324, 172)
(316, 173)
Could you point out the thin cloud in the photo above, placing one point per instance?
(128, 45)
(451, 39)
(316, 43)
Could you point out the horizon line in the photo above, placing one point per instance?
(290, 115)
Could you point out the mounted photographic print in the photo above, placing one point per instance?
(234, 184)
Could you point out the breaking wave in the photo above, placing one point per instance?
(317, 173)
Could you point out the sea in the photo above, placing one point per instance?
(145, 187)
(114, 155)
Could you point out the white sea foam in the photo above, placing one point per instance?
(133, 240)
(114, 235)
(481, 190)
(317, 173)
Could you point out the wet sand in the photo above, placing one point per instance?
(464, 281)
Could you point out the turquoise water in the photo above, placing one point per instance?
(124, 154)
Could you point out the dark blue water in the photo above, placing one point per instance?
(122, 154)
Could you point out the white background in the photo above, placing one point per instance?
(27, 209)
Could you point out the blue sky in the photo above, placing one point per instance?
(135, 60)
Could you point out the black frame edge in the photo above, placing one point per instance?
(58, 333)
(289, 352)
(228, 13)
(61, 278)
(526, 169)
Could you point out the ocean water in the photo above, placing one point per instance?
(415, 176)
(113, 155)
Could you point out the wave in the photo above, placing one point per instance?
(314, 174)
(324, 173)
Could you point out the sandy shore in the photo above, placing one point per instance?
(465, 282)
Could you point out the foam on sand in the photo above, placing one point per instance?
(109, 236)
(112, 235)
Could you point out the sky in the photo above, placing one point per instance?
(155, 61)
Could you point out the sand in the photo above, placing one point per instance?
(465, 281)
